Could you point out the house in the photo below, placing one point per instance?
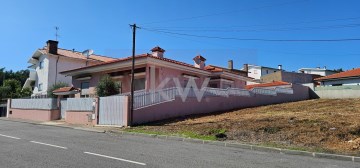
(317, 71)
(290, 77)
(49, 61)
(154, 70)
(255, 71)
(348, 78)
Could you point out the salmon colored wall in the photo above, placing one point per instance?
(178, 108)
(36, 115)
(78, 117)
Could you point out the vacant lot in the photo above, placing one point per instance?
(317, 125)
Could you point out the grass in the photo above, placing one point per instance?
(185, 134)
(314, 125)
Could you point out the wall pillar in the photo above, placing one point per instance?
(8, 108)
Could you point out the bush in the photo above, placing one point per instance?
(107, 87)
(26, 92)
(54, 87)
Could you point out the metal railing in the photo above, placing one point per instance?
(144, 99)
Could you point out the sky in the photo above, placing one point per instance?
(219, 30)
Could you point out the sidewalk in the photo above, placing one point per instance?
(61, 123)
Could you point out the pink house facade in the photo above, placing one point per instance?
(154, 71)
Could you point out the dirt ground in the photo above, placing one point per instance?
(317, 125)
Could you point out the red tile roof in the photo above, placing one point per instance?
(78, 55)
(157, 48)
(214, 68)
(65, 89)
(346, 74)
(200, 57)
(136, 57)
(275, 83)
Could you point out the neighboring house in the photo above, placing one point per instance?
(317, 71)
(48, 62)
(153, 69)
(290, 77)
(255, 71)
(351, 77)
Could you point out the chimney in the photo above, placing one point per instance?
(52, 46)
(199, 62)
(230, 64)
(246, 67)
(280, 67)
(158, 52)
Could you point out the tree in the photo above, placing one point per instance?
(13, 87)
(54, 87)
(107, 87)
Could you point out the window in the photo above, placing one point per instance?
(41, 64)
(139, 84)
(225, 86)
(339, 84)
(120, 86)
(185, 83)
(40, 87)
(85, 88)
(213, 85)
(267, 71)
(255, 72)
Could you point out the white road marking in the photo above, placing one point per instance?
(9, 136)
(110, 157)
(48, 145)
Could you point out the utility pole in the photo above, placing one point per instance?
(134, 27)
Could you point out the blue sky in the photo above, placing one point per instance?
(104, 27)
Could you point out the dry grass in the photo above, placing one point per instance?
(326, 125)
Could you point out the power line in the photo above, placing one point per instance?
(255, 39)
(261, 50)
(242, 26)
(259, 30)
(221, 13)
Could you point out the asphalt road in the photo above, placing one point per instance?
(24, 145)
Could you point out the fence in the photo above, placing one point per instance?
(40, 104)
(82, 104)
(144, 99)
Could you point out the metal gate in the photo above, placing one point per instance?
(113, 110)
(3, 110)
(63, 106)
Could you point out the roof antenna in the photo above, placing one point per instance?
(56, 33)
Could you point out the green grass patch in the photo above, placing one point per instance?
(190, 134)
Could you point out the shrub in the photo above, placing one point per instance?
(107, 87)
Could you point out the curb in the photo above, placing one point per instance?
(246, 146)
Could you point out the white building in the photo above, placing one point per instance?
(255, 71)
(317, 71)
(347, 78)
(46, 63)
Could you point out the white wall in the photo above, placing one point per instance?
(63, 64)
(42, 75)
(343, 82)
(254, 72)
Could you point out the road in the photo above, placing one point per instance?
(24, 145)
